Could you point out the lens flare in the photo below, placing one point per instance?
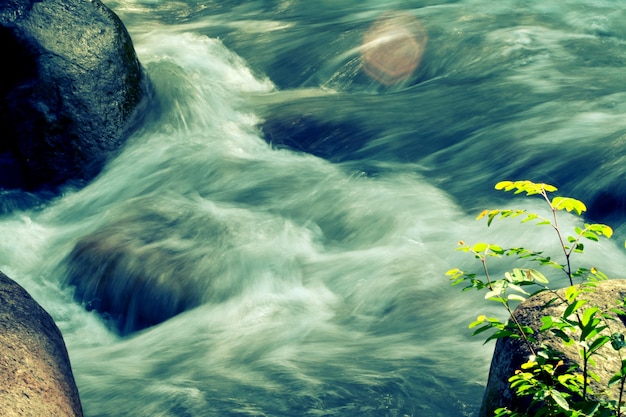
(392, 48)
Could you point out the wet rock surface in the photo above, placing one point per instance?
(35, 374)
(510, 354)
(71, 91)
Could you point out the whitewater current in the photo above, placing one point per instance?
(315, 208)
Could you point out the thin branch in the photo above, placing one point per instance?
(508, 309)
(555, 225)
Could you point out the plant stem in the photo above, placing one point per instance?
(483, 260)
(585, 363)
(621, 393)
(555, 225)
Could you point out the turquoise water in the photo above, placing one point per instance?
(315, 209)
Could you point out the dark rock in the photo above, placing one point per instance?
(150, 264)
(71, 90)
(609, 206)
(510, 354)
(14, 200)
(333, 140)
(11, 173)
(35, 374)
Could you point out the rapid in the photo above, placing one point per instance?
(316, 209)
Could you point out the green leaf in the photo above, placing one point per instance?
(454, 273)
(525, 186)
(530, 217)
(569, 204)
(588, 315)
(615, 379)
(516, 275)
(591, 236)
(517, 288)
(618, 311)
(502, 412)
(571, 293)
(480, 247)
(497, 299)
(538, 276)
(491, 214)
(496, 249)
(597, 343)
(496, 292)
(482, 329)
(548, 323)
(573, 307)
(559, 399)
(500, 334)
(567, 340)
(504, 185)
(481, 319)
(515, 297)
(617, 341)
(601, 229)
(590, 324)
(598, 275)
(593, 375)
(621, 374)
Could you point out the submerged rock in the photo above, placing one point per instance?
(71, 89)
(149, 265)
(510, 354)
(35, 374)
(332, 140)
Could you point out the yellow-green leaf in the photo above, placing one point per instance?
(569, 204)
(538, 276)
(454, 273)
(602, 229)
(481, 319)
(480, 247)
(525, 186)
(504, 185)
(515, 297)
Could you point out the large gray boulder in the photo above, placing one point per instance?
(35, 375)
(510, 354)
(71, 90)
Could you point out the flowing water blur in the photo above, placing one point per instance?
(323, 282)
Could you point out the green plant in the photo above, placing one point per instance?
(554, 386)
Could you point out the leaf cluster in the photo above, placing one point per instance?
(554, 388)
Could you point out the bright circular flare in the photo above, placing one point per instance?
(392, 48)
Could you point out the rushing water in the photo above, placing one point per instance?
(320, 256)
